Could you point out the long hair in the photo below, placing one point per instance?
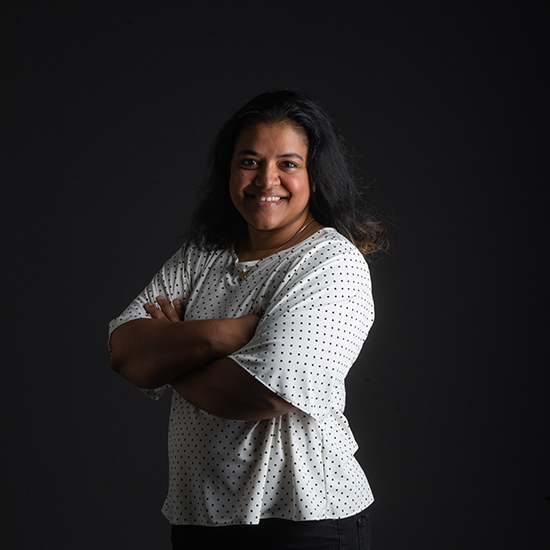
(336, 201)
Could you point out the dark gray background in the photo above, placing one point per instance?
(107, 111)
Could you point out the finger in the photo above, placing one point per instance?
(178, 306)
(154, 312)
(168, 309)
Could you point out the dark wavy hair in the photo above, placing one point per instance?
(337, 201)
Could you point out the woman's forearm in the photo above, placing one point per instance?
(150, 353)
(153, 352)
(225, 389)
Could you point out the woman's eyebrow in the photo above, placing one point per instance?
(283, 156)
(248, 152)
(290, 155)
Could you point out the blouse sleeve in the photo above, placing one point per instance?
(170, 282)
(313, 330)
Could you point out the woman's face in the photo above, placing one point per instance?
(269, 182)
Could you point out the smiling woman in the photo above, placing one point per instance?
(269, 186)
(335, 199)
(258, 318)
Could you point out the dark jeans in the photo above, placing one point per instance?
(351, 533)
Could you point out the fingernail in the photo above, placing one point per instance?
(176, 301)
(148, 304)
(160, 298)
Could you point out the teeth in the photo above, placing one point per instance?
(268, 199)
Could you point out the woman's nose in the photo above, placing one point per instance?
(268, 176)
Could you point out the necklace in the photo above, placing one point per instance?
(244, 273)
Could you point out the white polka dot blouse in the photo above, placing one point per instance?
(316, 309)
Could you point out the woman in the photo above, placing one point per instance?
(255, 323)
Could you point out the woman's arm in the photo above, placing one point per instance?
(225, 389)
(186, 354)
(153, 352)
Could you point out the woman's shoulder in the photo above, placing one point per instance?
(328, 252)
(327, 241)
(192, 257)
(324, 267)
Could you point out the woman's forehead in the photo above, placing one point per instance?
(284, 131)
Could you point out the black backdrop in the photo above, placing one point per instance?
(107, 111)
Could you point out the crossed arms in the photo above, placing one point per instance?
(192, 357)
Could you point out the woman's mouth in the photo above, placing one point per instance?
(264, 198)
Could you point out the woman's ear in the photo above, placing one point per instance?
(313, 187)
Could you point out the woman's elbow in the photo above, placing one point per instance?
(120, 365)
(115, 363)
(133, 373)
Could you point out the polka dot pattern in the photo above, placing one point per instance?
(316, 310)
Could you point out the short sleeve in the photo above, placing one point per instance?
(313, 329)
(171, 282)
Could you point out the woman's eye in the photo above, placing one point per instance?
(249, 162)
(289, 164)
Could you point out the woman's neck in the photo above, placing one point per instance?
(260, 244)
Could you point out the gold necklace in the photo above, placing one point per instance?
(244, 274)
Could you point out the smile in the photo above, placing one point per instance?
(267, 199)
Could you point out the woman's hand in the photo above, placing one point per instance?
(167, 312)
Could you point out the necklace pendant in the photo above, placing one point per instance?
(244, 275)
